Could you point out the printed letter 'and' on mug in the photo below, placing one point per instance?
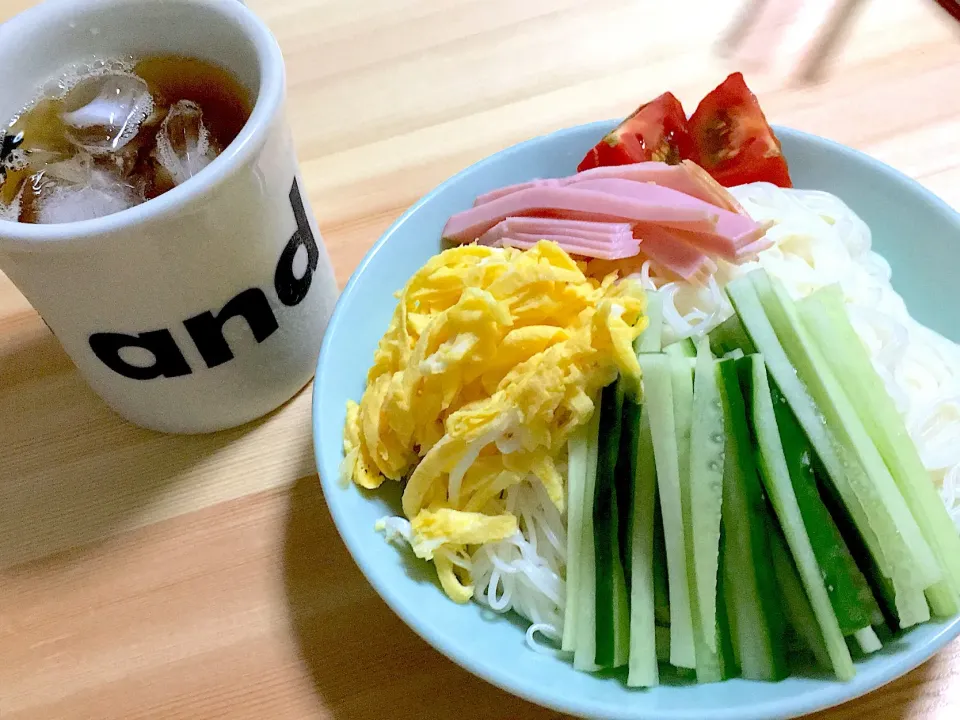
(206, 328)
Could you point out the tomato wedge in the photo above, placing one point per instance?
(734, 142)
(655, 131)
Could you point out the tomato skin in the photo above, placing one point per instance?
(656, 130)
(734, 141)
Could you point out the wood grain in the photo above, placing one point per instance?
(153, 576)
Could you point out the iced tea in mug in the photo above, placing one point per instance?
(152, 208)
(112, 133)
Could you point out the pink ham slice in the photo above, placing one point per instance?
(649, 203)
(753, 248)
(556, 226)
(732, 231)
(605, 251)
(564, 227)
(688, 178)
(610, 241)
(675, 256)
(703, 186)
(509, 189)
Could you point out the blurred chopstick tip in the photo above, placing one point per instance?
(792, 38)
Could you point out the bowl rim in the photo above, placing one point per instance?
(835, 694)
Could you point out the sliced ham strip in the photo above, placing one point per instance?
(688, 178)
(599, 241)
(677, 257)
(508, 189)
(753, 248)
(622, 247)
(706, 243)
(649, 203)
(555, 226)
(564, 227)
(615, 252)
(732, 231)
(710, 190)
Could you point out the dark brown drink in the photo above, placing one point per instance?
(114, 134)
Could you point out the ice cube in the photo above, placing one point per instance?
(74, 190)
(104, 113)
(184, 144)
(72, 203)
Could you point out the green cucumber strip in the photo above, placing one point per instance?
(860, 497)
(681, 373)
(577, 448)
(795, 601)
(659, 401)
(613, 619)
(825, 317)
(661, 583)
(647, 342)
(867, 640)
(643, 671)
(650, 339)
(585, 647)
(729, 662)
(682, 348)
(881, 585)
(729, 597)
(662, 639)
(853, 602)
(626, 478)
(729, 336)
(706, 495)
(918, 568)
(776, 480)
(751, 597)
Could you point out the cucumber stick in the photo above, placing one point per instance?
(867, 640)
(613, 618)
(729, 337)
(627, 463)
(626, 478)
(850, 595)
(795, 601)
(706, 496)
(643, 671)
(729, 662)
(860, 496)
(752, 601)
(776, 480)
(659, 402)
(681, 373)
(662, 635)
(577, 451)
(825, 317)
(919, 568)
(661, 581)
(585, 644)
(650, 339)
(682, 348)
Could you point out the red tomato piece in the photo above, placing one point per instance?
(655, 131)
(734, 141)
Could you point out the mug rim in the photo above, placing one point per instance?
(32, 237)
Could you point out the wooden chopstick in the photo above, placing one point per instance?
(825, 40)
(951, 6)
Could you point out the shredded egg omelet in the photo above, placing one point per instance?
(492, 358)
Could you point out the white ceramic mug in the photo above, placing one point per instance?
(205, 307)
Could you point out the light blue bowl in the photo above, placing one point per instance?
(917, 233)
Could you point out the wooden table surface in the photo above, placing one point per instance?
(153, 576)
